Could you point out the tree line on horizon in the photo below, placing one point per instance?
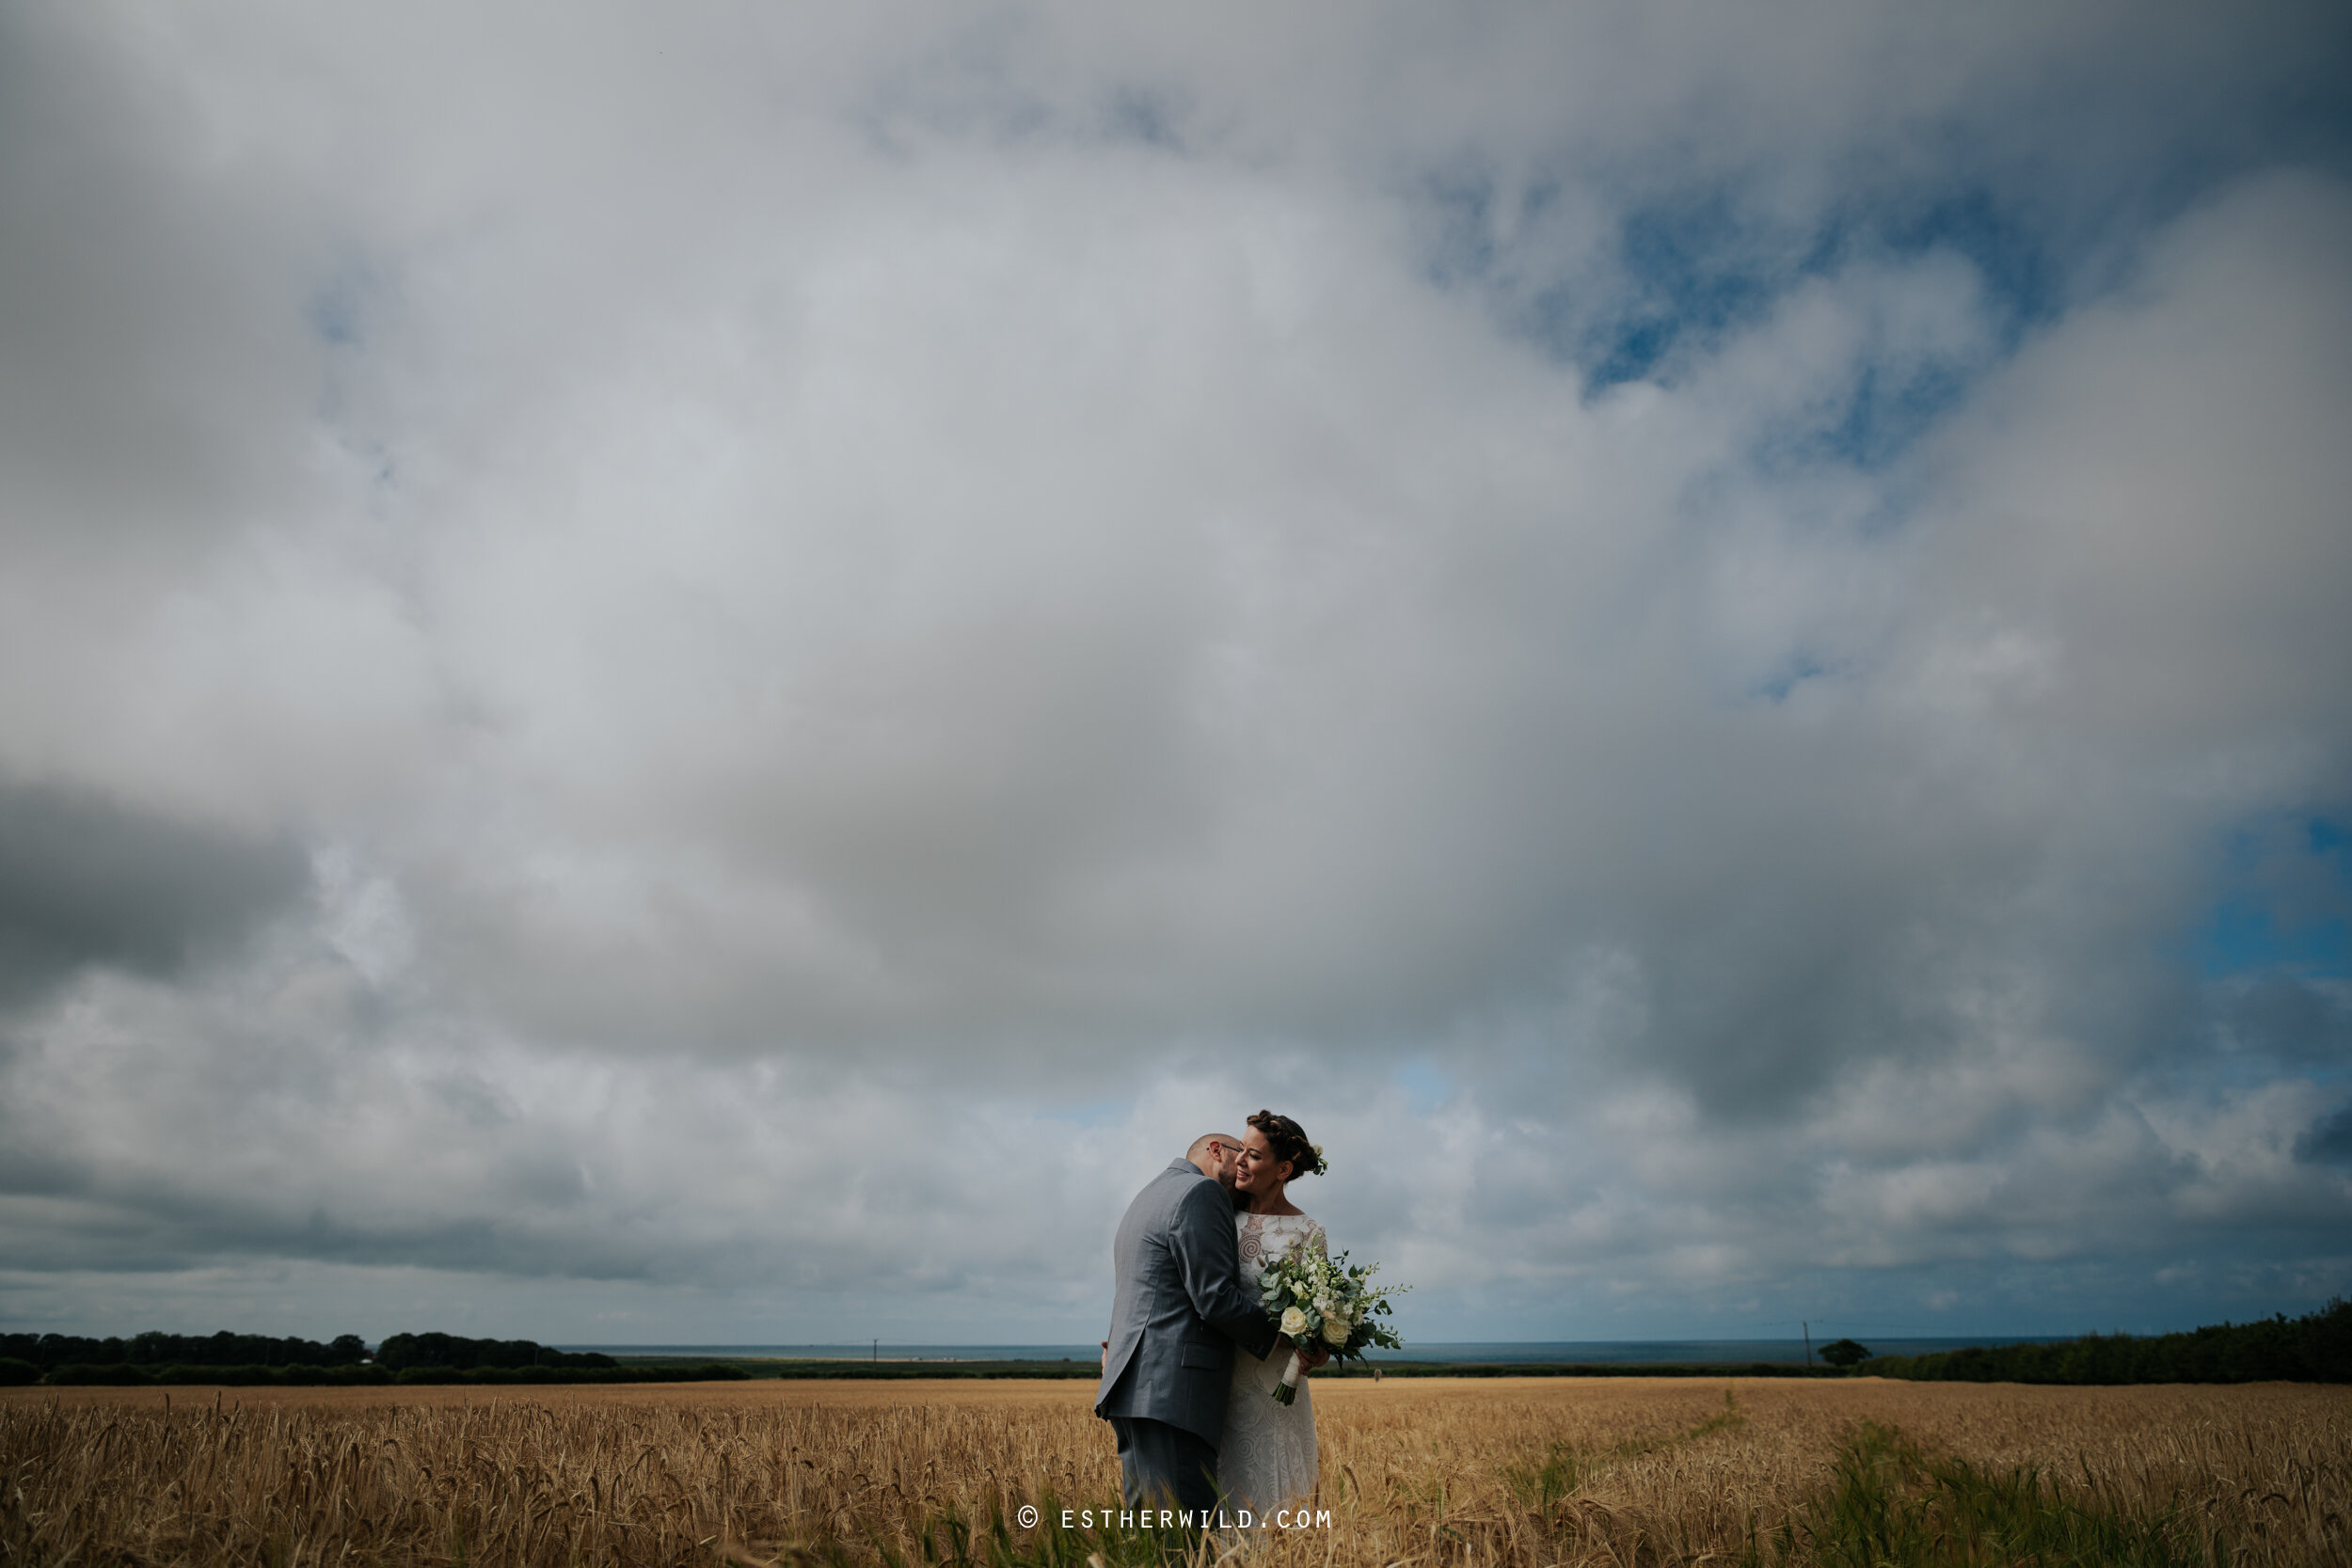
(2313, 1348)
(256, 1358)
(396, 1354)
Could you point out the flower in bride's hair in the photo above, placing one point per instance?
(1293, 1321)
(1321, 1164)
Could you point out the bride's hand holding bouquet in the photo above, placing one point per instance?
(1325, 1305)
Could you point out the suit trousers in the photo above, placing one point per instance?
(1164, 1466)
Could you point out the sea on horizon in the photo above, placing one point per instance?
(1578, 1351)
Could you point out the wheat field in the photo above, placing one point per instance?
(1533, 1472)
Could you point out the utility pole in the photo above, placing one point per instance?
(1808, 1343)
(877, 1353)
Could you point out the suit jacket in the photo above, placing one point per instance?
(1180, 1308)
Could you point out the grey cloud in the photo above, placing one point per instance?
(2288, 1018)
(873, 618)
(2330, 1140)
(85, 880)
(158, 374)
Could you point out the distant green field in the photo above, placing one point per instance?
(862, 1371)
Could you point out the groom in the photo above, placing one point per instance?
(1180, 1309)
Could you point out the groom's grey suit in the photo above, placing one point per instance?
(1180, 1308)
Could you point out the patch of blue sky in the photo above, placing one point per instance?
(1462, 251)
(1798, 669)
(1697, 278)
(1426, 1085)
(1691, 270)
(1892, 401)
(1091, 1115)
(2244, 934)
(338, 311)
(1683, 272)
(2017, 262)
(1888, 406)
(2285, 906)
(1679, 271)
(1138, 114)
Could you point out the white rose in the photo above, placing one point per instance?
(1293, 1321)
(1335, 1330)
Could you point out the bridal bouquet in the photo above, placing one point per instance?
(1311, 1297)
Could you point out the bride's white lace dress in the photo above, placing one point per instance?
(1268, 1459)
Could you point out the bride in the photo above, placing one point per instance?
(1267, 1460)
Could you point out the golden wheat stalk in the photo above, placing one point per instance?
(1506, 1473)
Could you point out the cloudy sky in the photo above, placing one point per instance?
(708, 671)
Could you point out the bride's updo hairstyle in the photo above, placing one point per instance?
(1288, 1140)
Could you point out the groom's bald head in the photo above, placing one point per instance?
(1213, 1152)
